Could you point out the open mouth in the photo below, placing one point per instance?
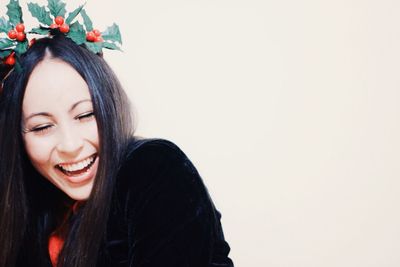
(78, 168)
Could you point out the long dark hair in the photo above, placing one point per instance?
(29, 205)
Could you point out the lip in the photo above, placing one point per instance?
(77, 161)
(82, 178)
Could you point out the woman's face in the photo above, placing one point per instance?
(60, 130)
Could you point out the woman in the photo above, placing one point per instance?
(77, 189)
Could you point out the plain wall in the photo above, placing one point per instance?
(289, 110)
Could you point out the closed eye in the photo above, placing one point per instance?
(41, 129)
(85, 116)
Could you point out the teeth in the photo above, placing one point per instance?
(77, 166)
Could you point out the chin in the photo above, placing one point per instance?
(79, 193)
(79, 197)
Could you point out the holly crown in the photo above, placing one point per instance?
(53, 19)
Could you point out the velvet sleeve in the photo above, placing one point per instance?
(171, 218)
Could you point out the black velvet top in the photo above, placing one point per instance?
(167, 216)
(162, 214)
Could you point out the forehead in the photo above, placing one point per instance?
(53, 84)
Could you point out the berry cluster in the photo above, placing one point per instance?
(17, 33)
(59, 24)
(94, 36)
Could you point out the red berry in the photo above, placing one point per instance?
(32, 41)
(97, 32)
(98, 39)
(64, 28)
(21, 36)
(10, 60)
(12, 34)
(53, 26)
(90, 36)
(20, 27)
(59, 20)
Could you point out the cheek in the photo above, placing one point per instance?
(92, 133)
(39, 152)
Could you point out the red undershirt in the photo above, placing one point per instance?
(56, 239)
(55, 245)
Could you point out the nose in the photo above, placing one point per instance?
(70, 142)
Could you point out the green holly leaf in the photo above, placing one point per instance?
(5, 26)
(87, 21)
(6, 43)
(14, 12)
(112, 33)
(57, 8)
(17, 66)
(77, 33)
(5, 53)
(40, 13)
(21, 47)
(111, 46)
(73, 15)
(41, 31)
(94, 47)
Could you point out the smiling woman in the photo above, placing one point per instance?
(60, 130)
(77, 187)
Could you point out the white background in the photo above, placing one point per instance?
(289, 110)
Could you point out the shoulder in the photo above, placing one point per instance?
(158, 166)
(148, 154)
(153, 149)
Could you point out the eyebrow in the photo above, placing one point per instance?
(46, 114)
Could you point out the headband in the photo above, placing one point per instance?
(53, 19)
